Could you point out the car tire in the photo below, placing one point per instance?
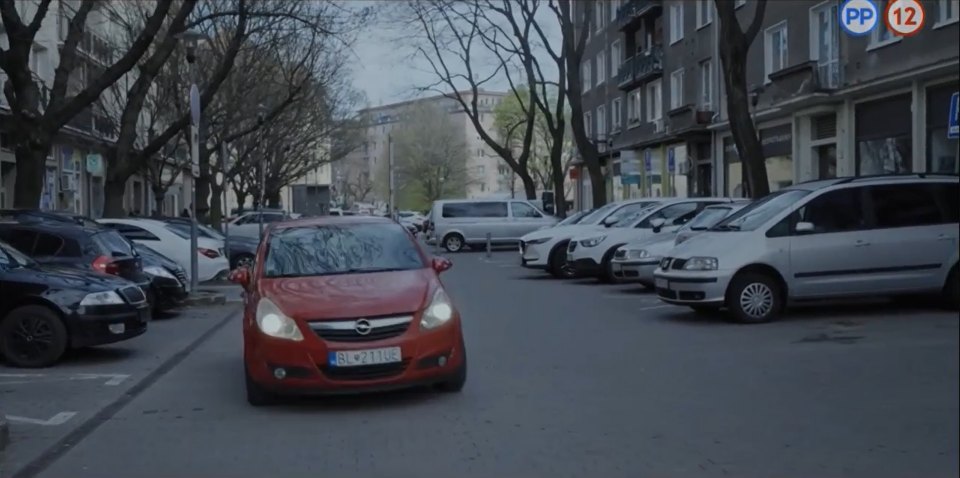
(456, 381)
(557, 262)
(39, 322)
(453, 242)
(242, 260)
(257, 396)
(950, 295)
(754, 298)
(606, 271)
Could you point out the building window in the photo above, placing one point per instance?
(654, 101)
(633, 108)
(883, 133)
(586, 78)
(676, 89)
(614, 6)
(882, 36)
(946, 12)
(825, 44)
(775, 49)
(778, 157)
(616, 57)
(704, 13)
(941, 150)
(588, 124)
(599, 15)
(676, 22)
(616, 110)
(706, 86)
(601, 122)
(601, 67)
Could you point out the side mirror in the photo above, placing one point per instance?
(804, 227)
(441, 264)
(657, 224)
(241, 276)
(609, 221)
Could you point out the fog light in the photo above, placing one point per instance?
(442, 361)
(280, 373)
(117, 328)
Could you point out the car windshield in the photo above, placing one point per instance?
(112, 243)
(574, 219)
(598, 214)
(630, 215)
(340, 249)
(758, 213)
(707, 218)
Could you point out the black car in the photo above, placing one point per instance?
(242, 250)
(168, 281)
(39, 215)
(47, 309)
(69, 244)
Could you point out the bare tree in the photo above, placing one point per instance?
(735, 43)
(457, 37)
(40, 110)
(355, 183)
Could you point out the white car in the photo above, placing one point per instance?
(636, 261)
(590, 252)
(546, 248)
(174, 243)
(248, 224)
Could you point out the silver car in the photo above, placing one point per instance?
(464, 222)
(859, 236)
(636, 261)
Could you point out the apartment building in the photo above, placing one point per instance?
(825, 103)
(75, 168)
(361, 168)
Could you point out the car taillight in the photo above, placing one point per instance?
(106, 265)
(209, 252)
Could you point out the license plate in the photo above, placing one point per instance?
(661, 283)
(356, 358)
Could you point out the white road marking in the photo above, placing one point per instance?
(58, 419)
(629, 296)
(112, 379)
(664, 306)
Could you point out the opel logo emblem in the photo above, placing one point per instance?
(362, 327)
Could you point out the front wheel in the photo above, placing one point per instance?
(453, 242)
(754, 298)
(459, 378)
(557, 263)
(606, 268)
(950, 296)
(257, 396)
(243, 260)
(32, 337)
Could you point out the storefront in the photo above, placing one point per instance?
(883, 137)
(942, 151)
(777, 144)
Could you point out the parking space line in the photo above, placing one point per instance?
(629, 297)
(112, 379)
(663, 306)
(58, 419)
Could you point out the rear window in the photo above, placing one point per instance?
(340, 249)
(111, 243)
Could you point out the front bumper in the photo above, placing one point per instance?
(168, 293)
(535, 256)
(692, 287)
(308, 371)
(91, 325)
(635, 270)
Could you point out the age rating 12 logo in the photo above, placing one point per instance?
(901, 17)
(904, 17)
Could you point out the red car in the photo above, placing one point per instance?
(347, 304)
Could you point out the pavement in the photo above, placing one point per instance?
(567, 379)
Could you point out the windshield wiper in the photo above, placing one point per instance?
(726, 227)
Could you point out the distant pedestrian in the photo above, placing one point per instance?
(185, 213)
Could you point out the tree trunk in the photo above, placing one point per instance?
(203, 185)
(113, 191)
(529, 185)
(158, 195)
(216, 205)
(557, 174)
(272, 198)
(241, 198)
(31, 159)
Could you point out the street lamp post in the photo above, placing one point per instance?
(191, 39)
(261, 175)
(223, 207)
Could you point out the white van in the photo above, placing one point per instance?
(464, 222)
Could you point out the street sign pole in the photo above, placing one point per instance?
(224, 207)
(393, 194)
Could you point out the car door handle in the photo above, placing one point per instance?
(861, 244)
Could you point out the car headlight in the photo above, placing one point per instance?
(438, 312)
(275, 323)
(593, 241)
(107, 297)
(537, 241)
(701, 264)
(158, 271)
(637, 254)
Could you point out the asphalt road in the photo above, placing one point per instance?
(572, 379)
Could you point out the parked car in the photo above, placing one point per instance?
(174, 244)
(547, 248)
(248, 223)
(464, 222)
(830, 239)
(39, 215)
(636, 261)
(373, 318)
(168, 281)
(589, 254)
(240, 250)
(572, 219)
(68, 244)
(47, 309)
(412, 220)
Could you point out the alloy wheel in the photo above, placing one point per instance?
(756, 300)
(30, 337)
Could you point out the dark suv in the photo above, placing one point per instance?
(94, 248)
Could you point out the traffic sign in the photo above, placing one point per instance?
(648, 161)
(904, 17)
(858, 17)
(953, 124)
(671, 160)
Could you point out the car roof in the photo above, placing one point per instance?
(333, 221)
(455, 201)
(56, 227)
(818, 184)
(144, 221)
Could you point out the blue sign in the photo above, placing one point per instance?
(648, 160)
(671, 160)
(859, 17)
(629, 179)
(953, 128)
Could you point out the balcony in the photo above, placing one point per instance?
(83, 121)
(630, 14)
(641, 67)
(688, 121)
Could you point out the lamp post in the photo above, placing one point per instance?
(261, 174)
(191, 38)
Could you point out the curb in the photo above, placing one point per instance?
(205, 298)
(4, 432)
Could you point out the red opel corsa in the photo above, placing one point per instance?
(346, 304)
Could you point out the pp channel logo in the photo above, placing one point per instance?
(859, 17)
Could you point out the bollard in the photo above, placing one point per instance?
(489, 247)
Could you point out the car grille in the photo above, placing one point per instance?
(381, 328)
(181, 276)
(672, 263)
(133, 295)
(572, 247)
(365, 372)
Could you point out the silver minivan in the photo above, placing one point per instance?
(457, 223)
(860, 236)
